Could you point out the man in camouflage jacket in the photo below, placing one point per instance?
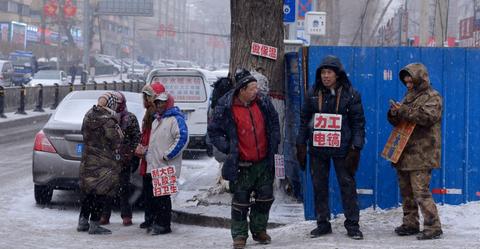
(421, 105)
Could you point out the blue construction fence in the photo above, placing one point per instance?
(454, 72)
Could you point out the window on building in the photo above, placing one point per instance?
(23, 10)
(4, 6)
(12, 7)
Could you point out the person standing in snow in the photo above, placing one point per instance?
(245, 126)
(421, 105)
(148, 93)
(333, 126)
(168, 139)
(131, 130)
(100, 165)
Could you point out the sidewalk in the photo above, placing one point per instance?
(201, 199)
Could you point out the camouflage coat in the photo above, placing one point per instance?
(99, 170)
(422, 106)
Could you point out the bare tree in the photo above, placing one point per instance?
(258, 21)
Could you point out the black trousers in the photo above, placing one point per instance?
(320, 171)
(123, 195)
(157, 209)
(92, 206)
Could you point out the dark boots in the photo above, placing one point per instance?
(262, 237)
(355, 234)
(424, 235)
(404, 230)
(95, 228)
(239, 242)
(82, 224)
(157, 229)
(322, 229)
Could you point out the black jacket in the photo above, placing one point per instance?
(350, 107)
(223, 133)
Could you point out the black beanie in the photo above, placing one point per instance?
(243, 77)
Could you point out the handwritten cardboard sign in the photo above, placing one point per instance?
(164, 181)
(397, 141)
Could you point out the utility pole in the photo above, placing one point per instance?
(133, 44)
(441, 17)
(424, 23)
(86, 35)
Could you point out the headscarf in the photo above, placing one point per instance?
(122, 110)
(109, 101)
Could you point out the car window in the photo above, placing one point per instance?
(184, 88)
(47, 75)
(73, 110)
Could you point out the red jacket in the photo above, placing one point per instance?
(252, 137)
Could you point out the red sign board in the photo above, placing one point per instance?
(264, 50)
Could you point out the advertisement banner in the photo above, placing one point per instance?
(164, 181)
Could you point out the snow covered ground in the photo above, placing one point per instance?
(23, 224)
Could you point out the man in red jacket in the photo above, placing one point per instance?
(245, 126)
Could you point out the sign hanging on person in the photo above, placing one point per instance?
(397, 141)
(279, 166)
(327, 130)
(164, 181)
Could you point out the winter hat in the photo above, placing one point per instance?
(243, 77)
(152, 90)
(109, 100)
(163, 96)
(331, 62)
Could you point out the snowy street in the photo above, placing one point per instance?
(27, 225)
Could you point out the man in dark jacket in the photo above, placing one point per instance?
(245, 126)
(422, 105)
(333, 125)
(100, 165)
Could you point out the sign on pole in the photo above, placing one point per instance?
(264, 50)
(315, 23)
(289, 11)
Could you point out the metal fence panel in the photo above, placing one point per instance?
(374, 72)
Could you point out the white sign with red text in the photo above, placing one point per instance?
(327, 121)
(328, 127)
(164, 181)
(264, 50)
(327, 139)
(279, 166)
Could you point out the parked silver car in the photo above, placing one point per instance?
(58, 146)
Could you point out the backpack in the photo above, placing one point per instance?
(220, 88)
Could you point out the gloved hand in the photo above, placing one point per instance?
(302, 155)
(352, 160)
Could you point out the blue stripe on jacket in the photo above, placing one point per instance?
(182, 127)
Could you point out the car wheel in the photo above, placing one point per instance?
(116, 72)
(43, 194)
